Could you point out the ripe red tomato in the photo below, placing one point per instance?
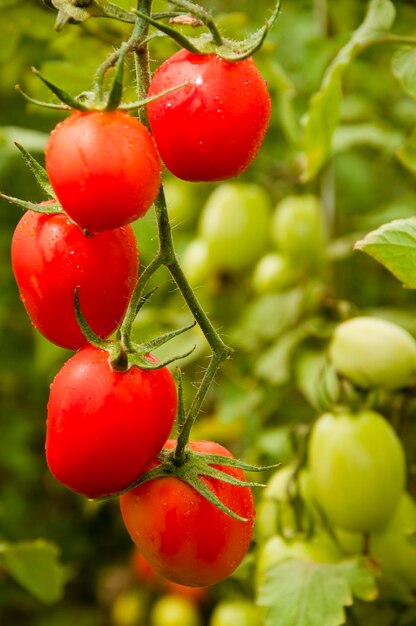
(51, 256)
(104, 427)
(104, 168)
(212, 128)
(183, 536)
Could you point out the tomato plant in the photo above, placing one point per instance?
(356, 487)
(373, 352)
(51, 257)
(172, 524)
(212, 128)
(104, 168)
(104, 427)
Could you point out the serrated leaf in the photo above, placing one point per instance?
(301, 593)
(404, 69)
(394, 246)
(35, 566)
(324, 110)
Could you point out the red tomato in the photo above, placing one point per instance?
(104, 168)
(146, 575)
(105, 427)
(212, 128)
(183, 536)
(51, 256)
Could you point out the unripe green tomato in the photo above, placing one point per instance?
(235, 225)
(175, 610)
(236, 613)
(357, 466)
(372, 352)
(129, 608)
(298, 230)
(181, 201)
(273, 272)
(196, 263)
(274, 511)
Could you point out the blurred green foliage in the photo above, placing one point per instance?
(267, 395)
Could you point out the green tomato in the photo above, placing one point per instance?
(129, 608)
(195, 262)
(175, 610)
(236, 613)
(357, 466)
(182, 201)
(372, 352)
(273, 272)
(235, 225)
(298, 230)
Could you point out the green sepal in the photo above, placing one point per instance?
(162, 339)
(46, 105)
(116, 91)
(65, 97)
(130, 106)
(47, 209)
(181, 416)
(37, 170)
(218, 459)
(68, 12)
(89, 334)
(205, 44)
(139, 359)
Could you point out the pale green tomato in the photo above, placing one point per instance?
(175, 610)
(129, 608)
(299, 232)
(372, 352)
(357, 466)
(182, 201)
(273, 272)
(279, 483)
(195, 262)
(235, 225)
(274, 511)
(236, 613)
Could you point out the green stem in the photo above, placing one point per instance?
(166, 256)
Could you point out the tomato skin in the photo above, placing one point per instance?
(104, 168)
(51, 257)
(357, 468)
(373, 352)
(105, 427)
(233, 612)
(212, 128)
(235, 224)
(183, 536)
(174, 610)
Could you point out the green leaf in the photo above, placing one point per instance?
(394, 246)
(324, 110)
(34, 565)
(407, 153)
(404, 69)
(300, 593)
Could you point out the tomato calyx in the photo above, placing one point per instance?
(193, 466)
(124, 354)
(213, 42)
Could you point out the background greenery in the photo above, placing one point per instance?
(266, 397)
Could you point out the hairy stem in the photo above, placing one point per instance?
(166, 256)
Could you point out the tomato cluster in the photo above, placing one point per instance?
(109, 418)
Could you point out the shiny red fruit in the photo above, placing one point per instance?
(51, 257)
(105, 427)
(104, 168)
(184, 537)
(212, 128)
